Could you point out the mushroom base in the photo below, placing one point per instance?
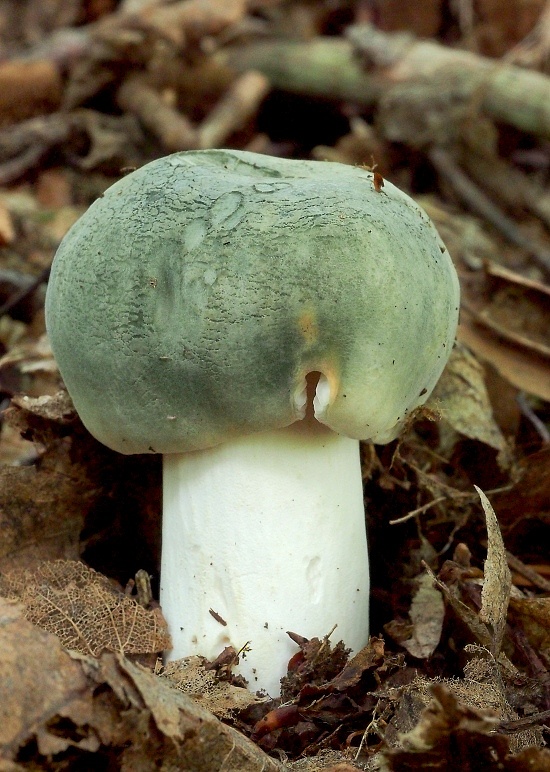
(262, 535)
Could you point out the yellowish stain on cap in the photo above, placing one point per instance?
(308, 327)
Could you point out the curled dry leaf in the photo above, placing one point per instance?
(312, 707)
(84, 610)
(43, 418)
(517, 310)
(504, 316)
(316, 663)
(498, 579)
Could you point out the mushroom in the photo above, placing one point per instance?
(252, 318)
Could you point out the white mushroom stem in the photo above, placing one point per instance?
(267, 534)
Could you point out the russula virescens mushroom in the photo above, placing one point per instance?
(251, 318)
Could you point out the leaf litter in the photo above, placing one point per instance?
(457, 674)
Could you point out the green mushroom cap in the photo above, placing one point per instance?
(189, 303)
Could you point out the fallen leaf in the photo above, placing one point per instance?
(467, 615)
(37, 681)
(84, 610)
(219, 697)
(511, 306)
(67, 705)
(498, 579)
(427, 613)
(533, 615)
(448, 730)
(462, 400)
(42, 509)
(530, 496)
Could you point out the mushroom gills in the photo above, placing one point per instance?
(313, 396)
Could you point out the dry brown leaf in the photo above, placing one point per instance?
(530, 496)
(43, 507)
(193, 739)
(29, 367)
(498, 579)
(510, 305)
(37, 680)
(524, 369)
(84, 610)
(443, 714)
(427, 613)
(455, 719)
(219, 697)
(468, 616)
(482, 689)
(465, 236)
(461, 398)
(504, 316)
(533, 616)
(69, 705)
(42, 510)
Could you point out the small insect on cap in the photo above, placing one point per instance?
(190, 302)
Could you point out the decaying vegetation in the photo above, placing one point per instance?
(450, 100)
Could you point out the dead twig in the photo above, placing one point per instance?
(235, 109)
(539, 426)
(23, 145)
(475, 199)
(529, 573)
(332, 68)
(509, 185)
(520, 724)
(173, 130)
(418, 511)
(27, 89)
(25, 292)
